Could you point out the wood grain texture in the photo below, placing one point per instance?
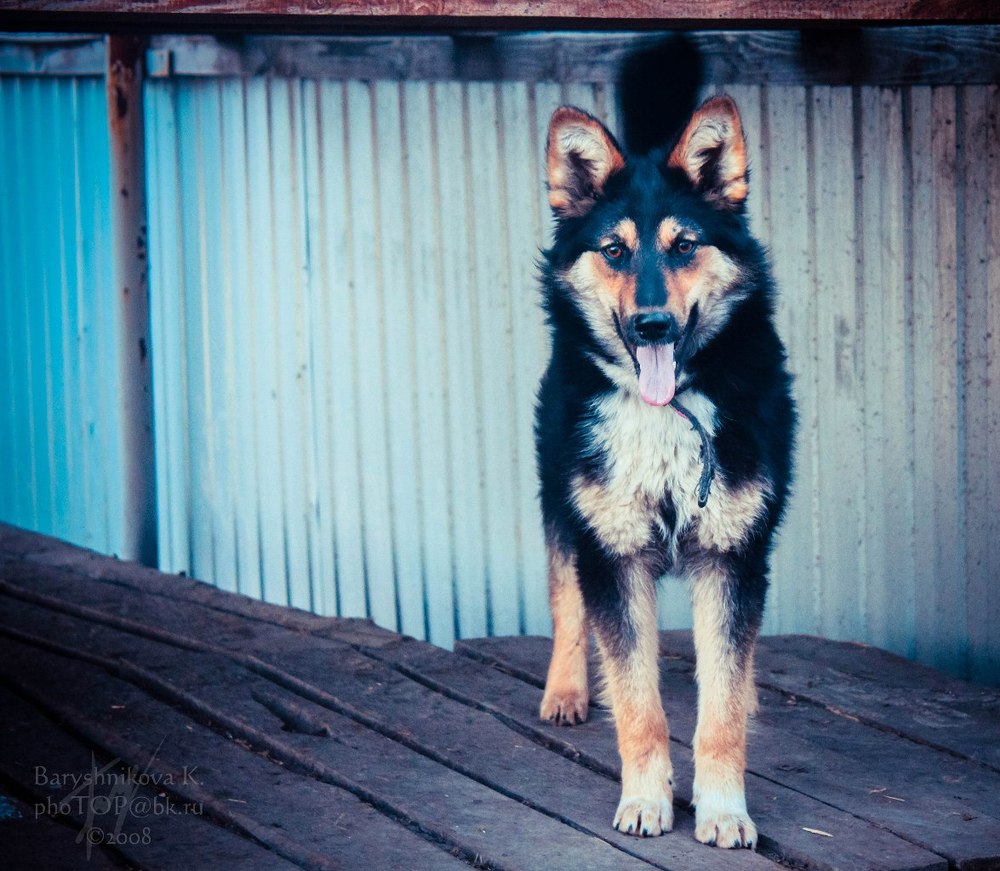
(34, 846)
(320, 724)
(439, 11)
(871, 55)
(783, 816)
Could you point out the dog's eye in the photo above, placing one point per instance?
(685, 246)
(613, 251)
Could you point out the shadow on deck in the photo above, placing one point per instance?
(152, 721)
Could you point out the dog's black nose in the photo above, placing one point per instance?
(654, 327)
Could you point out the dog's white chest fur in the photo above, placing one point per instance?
(652, 453)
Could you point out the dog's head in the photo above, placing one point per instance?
(651, 250)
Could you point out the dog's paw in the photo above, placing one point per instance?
(643, 816)
(725, 829)
(564, 707)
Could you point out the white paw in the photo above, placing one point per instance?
(645, 816)
(564, 707)
(721, 822)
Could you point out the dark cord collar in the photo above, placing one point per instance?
(708, 459)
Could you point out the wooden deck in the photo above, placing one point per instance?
(193, 728)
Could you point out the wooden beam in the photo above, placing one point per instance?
(333, 15)
(888, 56)
(130, 277)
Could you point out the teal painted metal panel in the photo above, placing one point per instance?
(58, 378)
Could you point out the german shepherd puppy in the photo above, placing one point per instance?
(664, 433)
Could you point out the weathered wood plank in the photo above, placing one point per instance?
(413, 788)
(884, 689)
(957, 54)
(986, 663)
(882, 56)
(945, 804)
(34, 764)
(166, 613)
(45, 843)
(525, 770)
(46, 551)
(386, 709)
(275, 804)
(333, 674)
(783, 815)
(877, 687)
(394, 13)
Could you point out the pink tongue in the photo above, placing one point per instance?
(656, 373)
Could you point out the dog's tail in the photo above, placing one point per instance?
(658, 90)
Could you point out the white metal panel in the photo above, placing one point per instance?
(372, 339)
(784, 181)
(979, 252)
(424, 245)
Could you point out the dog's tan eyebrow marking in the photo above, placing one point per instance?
(627, 231)
(666, 233)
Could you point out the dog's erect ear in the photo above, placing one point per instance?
(713, 153)
(581, 155)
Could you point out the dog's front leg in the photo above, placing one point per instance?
(727, 615)
(621, 605)
(566, 696)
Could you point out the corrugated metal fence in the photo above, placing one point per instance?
(59, 453)
(347, 342)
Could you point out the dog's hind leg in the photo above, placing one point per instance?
(624, 624)
(566, 694)
(727, 615)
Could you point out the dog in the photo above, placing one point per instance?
(664, 434)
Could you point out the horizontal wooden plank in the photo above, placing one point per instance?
(782, 814)
(786, 837)
(886, 56)
(883, 689)
(962, 54)
(332, 749)
(285, 684)
(877, 687)
(41, 550)
(234, 782)
(330, 673)
(52, 54)
(44, 771)
(390, 13)
(942, 803)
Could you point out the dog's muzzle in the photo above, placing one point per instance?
(653, 335)
(653, 328)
